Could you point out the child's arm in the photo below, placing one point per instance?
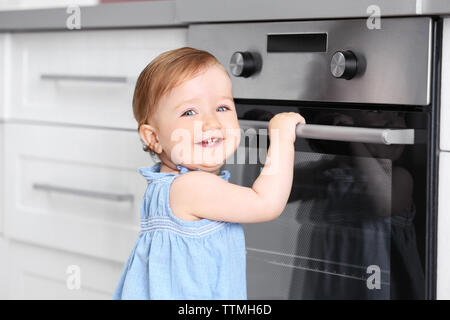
(204, 195)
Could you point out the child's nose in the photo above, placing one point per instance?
(210, 123)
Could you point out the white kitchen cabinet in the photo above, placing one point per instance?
(443, 246)
(2, 180)
(3, 72)
(70, 154)
(3, 100)
(445, 89)
(40, 273)
(3, 242)
(4, 270)
(83, 77)
(74, 189)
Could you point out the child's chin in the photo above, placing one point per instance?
(212, 164)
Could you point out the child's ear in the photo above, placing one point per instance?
(150, 138)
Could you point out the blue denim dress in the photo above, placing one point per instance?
(177, 259)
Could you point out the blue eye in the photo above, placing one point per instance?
(224, 107)
(187, 112)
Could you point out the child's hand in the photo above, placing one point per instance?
(285, 123)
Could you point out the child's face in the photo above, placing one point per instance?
(200, 108)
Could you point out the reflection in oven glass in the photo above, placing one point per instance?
(347, 231)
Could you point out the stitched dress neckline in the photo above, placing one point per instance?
(154, 172)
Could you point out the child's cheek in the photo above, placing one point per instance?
(181, 148)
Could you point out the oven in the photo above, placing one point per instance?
(360, 222)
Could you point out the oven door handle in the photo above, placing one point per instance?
(342, 133)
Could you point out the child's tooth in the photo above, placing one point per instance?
(211, 141)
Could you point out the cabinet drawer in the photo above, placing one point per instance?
(3, 73)
(2, 180)
(41, 273)
(76, 189)
(83, 77)
(4, 269)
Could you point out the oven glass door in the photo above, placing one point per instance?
(354, 224)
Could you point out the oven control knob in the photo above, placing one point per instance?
(344, 64)
(243, 64)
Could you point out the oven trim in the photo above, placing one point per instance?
(433, 166)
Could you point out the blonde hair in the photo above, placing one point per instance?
(167, 71)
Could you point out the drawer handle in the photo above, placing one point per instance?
(74, 77)
(84, 193)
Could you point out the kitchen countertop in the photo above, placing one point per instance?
(113, 15)
(185, 12)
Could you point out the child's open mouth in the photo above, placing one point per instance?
(211, 143)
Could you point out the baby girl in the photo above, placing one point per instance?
(191, 244)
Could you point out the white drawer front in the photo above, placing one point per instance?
(41, 273)
(3, 73)
(83, 77)
(4, 269)
(72, 188)
(2, 180)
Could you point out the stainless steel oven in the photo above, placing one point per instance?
(360, 220)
